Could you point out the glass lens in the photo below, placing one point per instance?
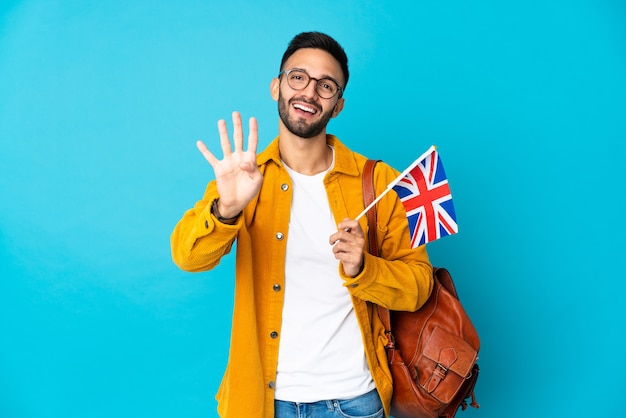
(297, 79)
(326, 88)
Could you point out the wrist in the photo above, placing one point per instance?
(224, 218)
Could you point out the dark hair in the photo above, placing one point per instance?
(321, 41)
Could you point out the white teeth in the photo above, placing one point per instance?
(304, 108)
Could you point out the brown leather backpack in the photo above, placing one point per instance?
(432, 352)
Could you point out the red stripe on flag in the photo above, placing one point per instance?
(446, 225)
(425, 198)
(417, 228)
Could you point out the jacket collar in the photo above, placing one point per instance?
(344, 158)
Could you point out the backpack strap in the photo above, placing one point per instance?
(369, 194)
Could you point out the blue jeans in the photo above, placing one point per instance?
(364, 406)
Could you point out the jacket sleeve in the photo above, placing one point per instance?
(402, 278)
(199, 240)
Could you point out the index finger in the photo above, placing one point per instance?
(224, 140)
(349, 225)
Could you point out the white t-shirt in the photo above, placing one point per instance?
(321, 354)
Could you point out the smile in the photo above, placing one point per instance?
(305, 108)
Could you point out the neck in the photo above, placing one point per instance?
(308, 156)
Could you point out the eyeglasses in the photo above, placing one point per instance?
(298, 79)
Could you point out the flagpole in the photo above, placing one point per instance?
(394, 182)
(412, 166)
(371, 205)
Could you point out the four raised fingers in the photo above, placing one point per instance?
(238, 141)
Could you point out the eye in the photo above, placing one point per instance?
(327, 85)
(298, 79)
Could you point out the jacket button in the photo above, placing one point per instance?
(284, 187)
(206, 224)
(276, 287)
(279, 236)
(273, 334)
(271, 384)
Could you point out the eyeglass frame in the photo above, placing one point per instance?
(317, 80)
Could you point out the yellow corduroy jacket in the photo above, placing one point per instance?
(400, 280)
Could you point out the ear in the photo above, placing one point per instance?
(338, 108)
(274, 88)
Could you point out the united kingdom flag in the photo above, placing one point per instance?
(424, 191)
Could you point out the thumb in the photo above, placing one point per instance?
(247, 166)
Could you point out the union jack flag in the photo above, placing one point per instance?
(424, 191)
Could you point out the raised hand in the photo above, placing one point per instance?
(237, 176)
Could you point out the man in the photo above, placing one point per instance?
(305, 340)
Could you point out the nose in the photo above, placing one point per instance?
(311, 89)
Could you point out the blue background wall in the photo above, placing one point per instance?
(101, 104)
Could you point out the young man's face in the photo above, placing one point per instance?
(303, 112)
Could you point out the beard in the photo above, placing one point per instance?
(300, 127)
